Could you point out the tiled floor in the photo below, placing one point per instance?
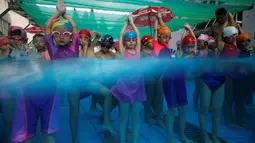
(91, 132)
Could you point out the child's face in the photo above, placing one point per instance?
(164, 38)
(39, 43)
(84, 37)
(17, 38)
(62, 36)
(130, 43)
(201, 44)
(189, 48)
(230, 39)
(243, 44)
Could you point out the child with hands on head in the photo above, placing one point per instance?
(130, 90)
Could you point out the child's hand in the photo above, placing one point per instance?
(130, 18)
(61, 7)
(97, 34)
(230, 15)
(84, 42)
(187, 26)
(159, 15)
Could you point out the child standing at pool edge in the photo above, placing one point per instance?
(130, 90)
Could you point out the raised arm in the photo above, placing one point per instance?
(95, 41)
(84, 48)
(74, 26)
(190, 30)
(60, 11)
(48, 25)
(231, 20)
(121, 46)
(159, 17)
(183, 35)
(138, 44)
(155, 30)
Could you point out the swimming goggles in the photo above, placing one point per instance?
(64, 34)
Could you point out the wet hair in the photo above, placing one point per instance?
(221, 11)
(38, 35)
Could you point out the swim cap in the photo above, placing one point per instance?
(17, 31)
(86, 32)
(62, 22)
(162, 29)
(189, 40)
(107, 41)
(243, 37)
(203, 37)
(129, 33)
(178, 43)
(229, 31)
(116, 44)
(146, 39)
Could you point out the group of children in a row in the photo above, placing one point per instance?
(62, 40)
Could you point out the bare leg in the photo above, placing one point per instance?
(150, 93)
(169, 125)
(49, 138)
(182, 119)
(74, 107)
(218, 99)
(8, 106)
(205, 99)
(196, 93)
(158, 103)
(228, 103)
(136, 107)
(31, 140)
(93, 106)
(124, 111)
(63, 96)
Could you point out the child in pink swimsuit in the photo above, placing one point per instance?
(130, 90)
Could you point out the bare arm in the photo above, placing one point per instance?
(240, 29)
(48, 25)
(192, 33)
(95, 41)
(183, 35)
(138, 44)
(155, 30)
(121, 46)
(159, 16)
(231, 20)
(90, 52)
(74, 26)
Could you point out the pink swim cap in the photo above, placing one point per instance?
(116, 44)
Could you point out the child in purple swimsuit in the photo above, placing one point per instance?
(40, 99)
(130, 90)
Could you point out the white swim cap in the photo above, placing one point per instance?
(203, 37)
(229, 31)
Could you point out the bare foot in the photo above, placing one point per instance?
(110, 128)
(186, 140)
(160, 123)
(215, 140)
(171, 140)
(75, 141)
(207, 139)
(95, 109)
(242, 124)
(129, 130)
(150, 121)
(231, 125)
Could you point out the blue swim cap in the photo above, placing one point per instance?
(130, 34)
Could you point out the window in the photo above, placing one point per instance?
(4, 26)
